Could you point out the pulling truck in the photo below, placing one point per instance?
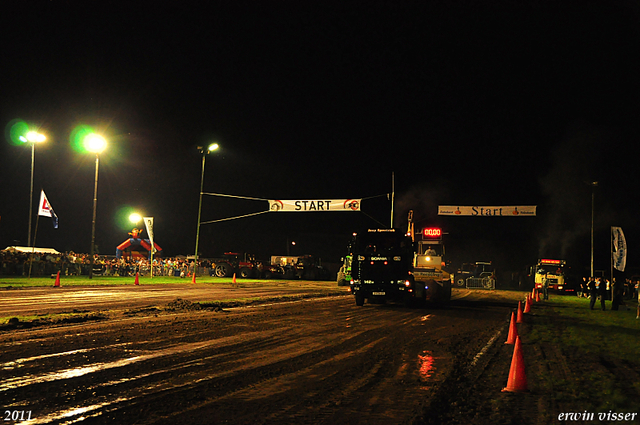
(386, 264)
(554, 271)
(381, 263)
(428, 265)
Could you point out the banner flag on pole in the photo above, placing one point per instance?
(619, 248)
(148, 223)
(315, 205)
(489, 211)
(46, 210)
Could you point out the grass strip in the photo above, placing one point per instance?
(11, 282)
(597, 366)
(29, 321)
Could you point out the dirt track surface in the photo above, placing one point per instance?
(121, 297)
(318, 361)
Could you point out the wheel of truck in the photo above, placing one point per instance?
(359, 299)
(460, 281)
(245, 272)
(222, 270)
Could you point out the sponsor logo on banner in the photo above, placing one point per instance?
(315, 205)
(488, 211)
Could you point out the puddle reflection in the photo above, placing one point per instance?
(425, 365)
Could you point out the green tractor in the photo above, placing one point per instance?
(344, 274)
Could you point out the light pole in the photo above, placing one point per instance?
(33, 138)
(212, 147)
(96, 144)
(593, 198)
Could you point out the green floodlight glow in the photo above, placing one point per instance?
(16, 132)
(213, 147)
(123, 217)
(78, 136)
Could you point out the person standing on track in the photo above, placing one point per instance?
(602, 292)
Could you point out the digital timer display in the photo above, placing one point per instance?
(432, 232)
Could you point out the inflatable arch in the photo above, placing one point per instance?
(145, 243)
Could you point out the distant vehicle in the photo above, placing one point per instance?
(244, 265)
(344, 274)
(482, 271)
(307, 267)
(554, 271)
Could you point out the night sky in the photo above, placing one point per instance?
(466, 102)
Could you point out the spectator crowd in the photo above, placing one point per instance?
(17, 263)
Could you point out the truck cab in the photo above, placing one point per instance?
(381, 263)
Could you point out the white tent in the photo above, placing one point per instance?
(30, 249)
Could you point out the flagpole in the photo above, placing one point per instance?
(611, 248)
(33, 247)
(393, 194)
(611, 286)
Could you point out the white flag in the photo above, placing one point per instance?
(46, 210)
(618, 248)
(148, 223)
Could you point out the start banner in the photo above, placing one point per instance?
(315, 205)
(489, 211)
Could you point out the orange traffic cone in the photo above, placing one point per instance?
(513, 331)
(527, 305)
(137, 281)
(517, 381)
(193, 279)
(234, 278)
(519, 317)
(537, 296)
(57, 283)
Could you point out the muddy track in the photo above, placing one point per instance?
(312, 361)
